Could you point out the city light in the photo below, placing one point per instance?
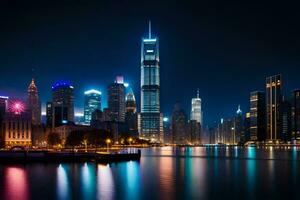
(16, 106)
(126, 85)
(92, 91)
(165, 119)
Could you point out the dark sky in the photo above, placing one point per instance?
(226, 49)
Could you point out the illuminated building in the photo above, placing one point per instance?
(63, 103)
(246, 133)
(150, 119)
(92, 101)
(49, 114)
(257, 116)
(194, 131)
(179, 126)
(273, 107)
(34, 105)
(3, 106)
(237, 126)
(16, 128)
(116, 100)
(131, 114)
(196, 112)
(286, 129)
(296, 115)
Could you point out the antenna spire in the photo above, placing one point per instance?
(149, 29)
(198, 93)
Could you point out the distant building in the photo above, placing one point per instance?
(273, 107)
(92, 101)
(246, 133)
(286, 121)
(196, 112)
(194, 132)
(167, 132)
(131, 117)
(150, 118)
(3, 109)
(295, 115)
(116, 100)
(34, 104)
(49, 114)
(179, 126)
(257, 116)
(17, 129)
(63, 103)
(237, 126)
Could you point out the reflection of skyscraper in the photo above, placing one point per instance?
(34, 104)
(273, 107)
(151, 122)
(116, 99)
(257, 116)
(63, 103)
(196, 112)
(92, 101)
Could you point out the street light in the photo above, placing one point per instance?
(130, 140)
(108, 141)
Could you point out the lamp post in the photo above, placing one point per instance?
(108, 141)
(130, 140)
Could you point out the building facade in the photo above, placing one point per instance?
(273, 107)
(92, 102)
(196, 111)
(131, 117)
(151, 119)
(295, 115)
(62, 103)
(178, 127)
(34, 104)
(116, 100)
(257, 116)
(17, 129)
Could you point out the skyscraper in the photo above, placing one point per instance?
(296, 115)
(92, 102)
(179, 130)
(237, 126)
(116, 99)
(151, 120)
(273, 107)
(63, 103)
(196, 112)
(257, 116)
(49, 114)
(131, 114)
(34, 104)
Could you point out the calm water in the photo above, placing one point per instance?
(163, 173)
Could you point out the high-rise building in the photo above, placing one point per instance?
(49, 114)
(179, 126)
(151, 120)
(194, 131)
(286, 128)
(34, 104)
(196, 112)
(92, 102)
(131, 114)
(257, 116)
(296, 115)
(3, 106)
(273, 107)
(63, 103)
(237, 126)
(116, 100)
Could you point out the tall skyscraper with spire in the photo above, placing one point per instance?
(34, 104)
(151, 119)
(196, 112)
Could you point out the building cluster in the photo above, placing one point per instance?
(273, 118)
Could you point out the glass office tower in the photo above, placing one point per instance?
(92, 101)
(151, 124)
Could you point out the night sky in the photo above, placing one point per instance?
(225, 49)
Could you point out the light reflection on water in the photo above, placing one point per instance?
(165, 173)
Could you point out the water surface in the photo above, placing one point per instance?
(163, 173)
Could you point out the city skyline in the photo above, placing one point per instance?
(237, 54)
